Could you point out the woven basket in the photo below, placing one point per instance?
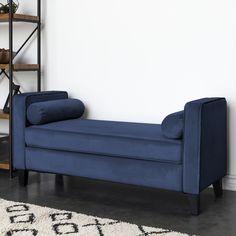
(5, 56)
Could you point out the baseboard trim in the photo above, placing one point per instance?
(229, 182)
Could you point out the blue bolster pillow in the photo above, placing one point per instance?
(56, 110)
(173, 125)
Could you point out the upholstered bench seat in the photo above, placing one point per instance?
(187, 152)
(118, 139)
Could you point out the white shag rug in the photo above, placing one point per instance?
(21, 219)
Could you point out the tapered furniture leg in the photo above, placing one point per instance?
(59, 179)
(194, 202)
(217, 186)
(23, 177)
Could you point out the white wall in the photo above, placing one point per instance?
(138, 60)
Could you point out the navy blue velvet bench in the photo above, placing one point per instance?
(186, 153)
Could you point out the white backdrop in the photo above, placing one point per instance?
(138, 60)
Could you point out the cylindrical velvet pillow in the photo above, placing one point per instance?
(173, 125)
(56, 110)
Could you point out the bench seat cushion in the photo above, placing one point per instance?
(118, 139)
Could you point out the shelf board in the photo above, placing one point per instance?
(3, 115)
(19, 18)
(5, 165)
(4, 138)
(21, 67)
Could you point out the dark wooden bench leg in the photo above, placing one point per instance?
(23, 177)
(194, 202)
(59, 179)
(218, 190)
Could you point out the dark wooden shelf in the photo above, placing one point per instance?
(4, 139)
(21, 67)
(3, 115)
(19, 18)
(4, 153)
(5, 165)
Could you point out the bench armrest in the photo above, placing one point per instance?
(19, 121)
(205, 143)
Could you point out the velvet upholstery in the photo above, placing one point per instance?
(55, 110)
(173, 125)
(205, 143)
(122, 170)
(20, 104)
(133, 153)
(122, 139)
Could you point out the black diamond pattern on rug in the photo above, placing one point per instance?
(16, 232)
(20, 219)
(144, 233)
(17, 208)
(23, 218)
(100, 225)
(61, 216)
(65, 228)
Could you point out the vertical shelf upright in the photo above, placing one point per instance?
(8, 70)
